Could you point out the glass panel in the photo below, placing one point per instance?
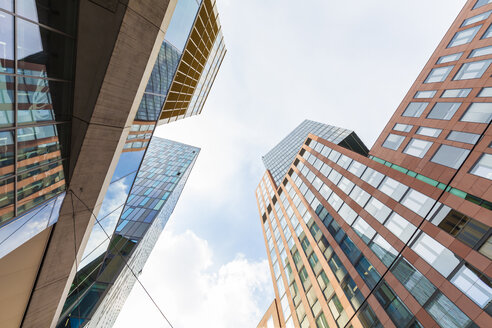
(415, 109)
(464, 36)
(450, 156)
(470, 138)
(402, 127)
(474, 284)
(483, 167)
(456, 93)
(485, 92)
(417, 147)
(6, 153)
(446, 313)
(37, 146)
(56, 14)
(449, 58)
(481, 3)
(414, 281)
(481, 52)
(393, 141)
(476, 18)
(438, 74)
(39, 52)
(473, 70)
(425, 94)
(7, 85)
(6, 200)
(429, 132)
(400, 227)
(383, 250)
(438, 256)
(6, 43)
(478, 113)
(443, 110)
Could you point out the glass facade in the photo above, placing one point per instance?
(106, 277)
(36, 81)
(279, 159)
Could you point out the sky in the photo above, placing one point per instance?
(344, 63)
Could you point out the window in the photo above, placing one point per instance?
(425, 94)
(364, 230)
(481, 3)
(474, 284)
(449, 58)
(417, 202)
(446, 313)
(478, 113)
(402, 127)
(438, 74)
(400, 227)
(481, 52)
(487, 33)
(477, 18)
(462, 227)
(360, 196)
(377, 209)
(417, 147)
(415, 109)
(414, 281)
(347, 214)
(485, 92)
(393, 141)
(393, 188)
(372, 177)
(396, 310)
(357, 168)
(438, 256)
(464, 36)
(383, 250)
(472, 70)
(466, 137)
(456, 93)
(450, 156)
(443, 110)
(483, 167)
(429, 132)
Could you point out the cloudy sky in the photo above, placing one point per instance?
(344, 63)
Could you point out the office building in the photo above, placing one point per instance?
(401, 237)
(278, 160)
(101, 287)
(84, 84)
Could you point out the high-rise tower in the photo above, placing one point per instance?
(84, 84)
(402, 237)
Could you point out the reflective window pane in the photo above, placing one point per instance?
(6, 43)
(393, 141)
(6, 100)
(483, 167)
(39, 51)
(464, 36)
(443, 110)
(478, 113)
(477, 18)
(456, 93)
(438, 74)
(402, 127)
(429, 132)
(6, 153)
(466, 137)
(449, 58)
(473, 70)
(425, 94)
(450, 156)
(481, 52)
(56, 14)
(417, 147)
(415, 109)
(485, 92)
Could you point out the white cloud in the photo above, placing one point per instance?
(178, 277)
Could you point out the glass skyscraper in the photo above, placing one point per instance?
(278, 160)
(401, 237)
(83, 85)
(100, 288)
